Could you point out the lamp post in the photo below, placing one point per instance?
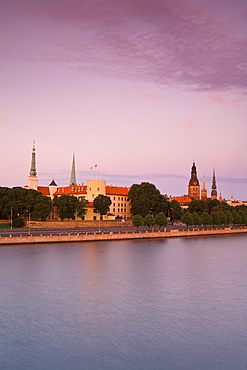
(11, 218)
(29, 219)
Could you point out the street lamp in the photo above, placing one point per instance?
(11, 218)
(28, 221)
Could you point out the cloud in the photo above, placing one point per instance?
(190, 44)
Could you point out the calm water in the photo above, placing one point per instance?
(161, 304)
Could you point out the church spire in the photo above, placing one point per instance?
(204, 189)
(33, 171)
(214, 188)
(73, 177)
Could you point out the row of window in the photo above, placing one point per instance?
(119, 204)
(120, 210)
(120, 198)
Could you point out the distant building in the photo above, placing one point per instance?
(183, 200)
(120, 206)
(194, 186)
(204, 195)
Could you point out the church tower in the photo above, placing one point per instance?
(33, 178)
(73, 177)
(194, 186)
(214, 188)
(204, 189)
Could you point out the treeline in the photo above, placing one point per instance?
(212, 212)
(19, 204)
(146, 203)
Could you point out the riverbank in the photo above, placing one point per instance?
(121, 235)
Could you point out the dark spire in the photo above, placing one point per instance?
(33, 171)
(214, 188)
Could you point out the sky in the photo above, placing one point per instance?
(142, 88)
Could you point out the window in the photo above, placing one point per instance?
(113, 198)
(122, 198)
(118, 198)
(94, 217)
(121, 209)
(113, 204)
(98, 189)
(113, 209)
(118, 210)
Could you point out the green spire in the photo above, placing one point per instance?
(73, 177)
(33, 171)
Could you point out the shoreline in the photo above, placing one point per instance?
(121, 235)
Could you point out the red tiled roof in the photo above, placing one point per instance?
(182, 199)
(71, 190)
(44, 190)
(116, 190)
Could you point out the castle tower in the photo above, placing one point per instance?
(73, 177)
(52, 189)
(194, 186)
(204, 189)
(214, 188)
(33, 178)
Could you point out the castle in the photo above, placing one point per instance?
(120, 206)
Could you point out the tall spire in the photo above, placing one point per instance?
(214, 188)
(73, 177)
(204, 189)
(33, 171)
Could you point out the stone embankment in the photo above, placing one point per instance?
(106, 236)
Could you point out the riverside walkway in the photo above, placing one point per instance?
(117, 235)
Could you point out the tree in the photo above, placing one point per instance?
(149, 220)
(197, 221)
(243, 217)
(16, 201)
(102, 204)
(215, 218)
(161, 220)
(229, 217)
(137, 221)
(206, 219)
(146, 199)
(222, 218)
(67, 206)
(187, 219)
(236, 217)
(198, 206)
(175, 210)
(81, 210)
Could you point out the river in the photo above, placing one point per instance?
(144, 304)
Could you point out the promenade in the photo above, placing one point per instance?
(117, 235)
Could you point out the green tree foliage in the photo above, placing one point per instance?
(137, 221)
(149, 220)
(67, 206)
(206, 219)
(161, 220)
(229, 217)
(243, 217)
(198, 206)
(222, 218)
(102, 204)
(20, 200)
(215, 218)
(81, 210)
(145, 199)
(197, 221)
(18, 223)
(212, 205)
(236, 217)
(175, 210)
(187, 219)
